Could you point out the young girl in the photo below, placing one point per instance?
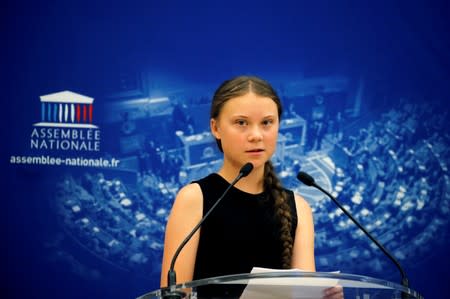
(259, 223)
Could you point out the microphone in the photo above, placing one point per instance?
(171, 275)
(309, 181)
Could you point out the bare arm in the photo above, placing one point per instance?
(303, 252)
(185, 214)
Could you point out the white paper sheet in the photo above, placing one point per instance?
(287, 287)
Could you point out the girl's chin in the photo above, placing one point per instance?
(257, 162)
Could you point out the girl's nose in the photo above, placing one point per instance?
(255, 134)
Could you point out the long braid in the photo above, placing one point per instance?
(282, 210)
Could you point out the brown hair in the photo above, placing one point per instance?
(240, 86)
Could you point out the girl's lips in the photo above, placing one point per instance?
(255, 151)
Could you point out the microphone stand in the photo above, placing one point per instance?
(309, 181)
(171, 275)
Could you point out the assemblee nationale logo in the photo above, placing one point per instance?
(66, 124)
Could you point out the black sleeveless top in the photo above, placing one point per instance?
(241, 233)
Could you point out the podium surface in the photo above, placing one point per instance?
(286, 284)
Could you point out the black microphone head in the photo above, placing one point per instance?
(305, 178)
(246, 169)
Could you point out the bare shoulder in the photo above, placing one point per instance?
(302, 205)
(189, 191)
(189, 197)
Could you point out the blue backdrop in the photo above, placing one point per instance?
(105, 116)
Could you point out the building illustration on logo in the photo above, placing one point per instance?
(66, 109)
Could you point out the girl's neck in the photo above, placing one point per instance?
(253, 183)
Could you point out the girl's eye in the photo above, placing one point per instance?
(267, 122)
(241, 122)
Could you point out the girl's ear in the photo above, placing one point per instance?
(214, 128)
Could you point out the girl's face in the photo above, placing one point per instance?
(247, 127)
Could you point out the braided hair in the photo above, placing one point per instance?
(240, 86)
(282, 210)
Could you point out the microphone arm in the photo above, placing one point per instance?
(171, 275)
(309, 181)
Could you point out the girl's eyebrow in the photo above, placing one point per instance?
(242, 115)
